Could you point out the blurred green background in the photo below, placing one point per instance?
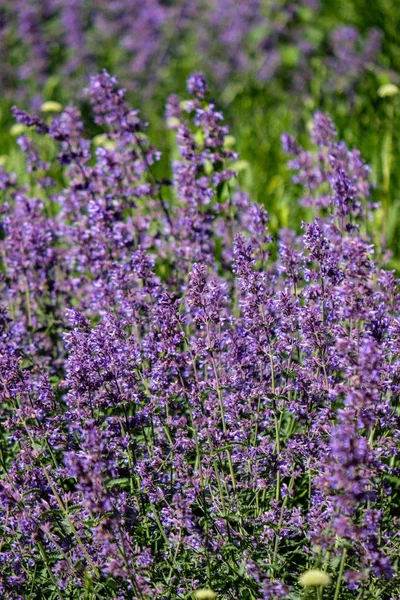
(257, 110)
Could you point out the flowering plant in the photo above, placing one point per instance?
(187, 403)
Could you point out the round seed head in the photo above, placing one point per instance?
(205, 594)
(314, 578)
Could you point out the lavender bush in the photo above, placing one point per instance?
(46, 42)
(273, 63)
(188, 403)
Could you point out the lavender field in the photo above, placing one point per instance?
(199, 300)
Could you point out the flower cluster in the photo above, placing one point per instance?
(352, 56)
(190, 406)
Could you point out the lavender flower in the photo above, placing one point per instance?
(186, 404)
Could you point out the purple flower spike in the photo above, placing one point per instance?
(197, 85)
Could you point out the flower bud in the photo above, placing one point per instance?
(388, 90)
(205, 594)
(314, 578)
(51, 106)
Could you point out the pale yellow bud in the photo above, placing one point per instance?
(388, 90)
(51, 106)
(205, 594)
(18, 129)
(229, 141)
(240, 165)
(173, 122)
(103, 141)
(314, 578)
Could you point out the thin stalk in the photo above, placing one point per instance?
(277, 445)
(284, 503)
(63, 509)
(258, 412)
(175, 556)
(221, 404)
(28, 306)
(156, 183)
(341, 569)
(124, 556)
(46, 562)
(70, 523)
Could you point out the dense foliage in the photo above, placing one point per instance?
(199, 314)
(189, 401)
(271, 64)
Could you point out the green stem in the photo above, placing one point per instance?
(62, 507)
(70, 523)
(387, 164)
(28, 306)
(220, 400)
(284, 503)
(277, 446)
(341, 569)
(46, 562)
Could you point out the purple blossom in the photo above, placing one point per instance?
(185, 402)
